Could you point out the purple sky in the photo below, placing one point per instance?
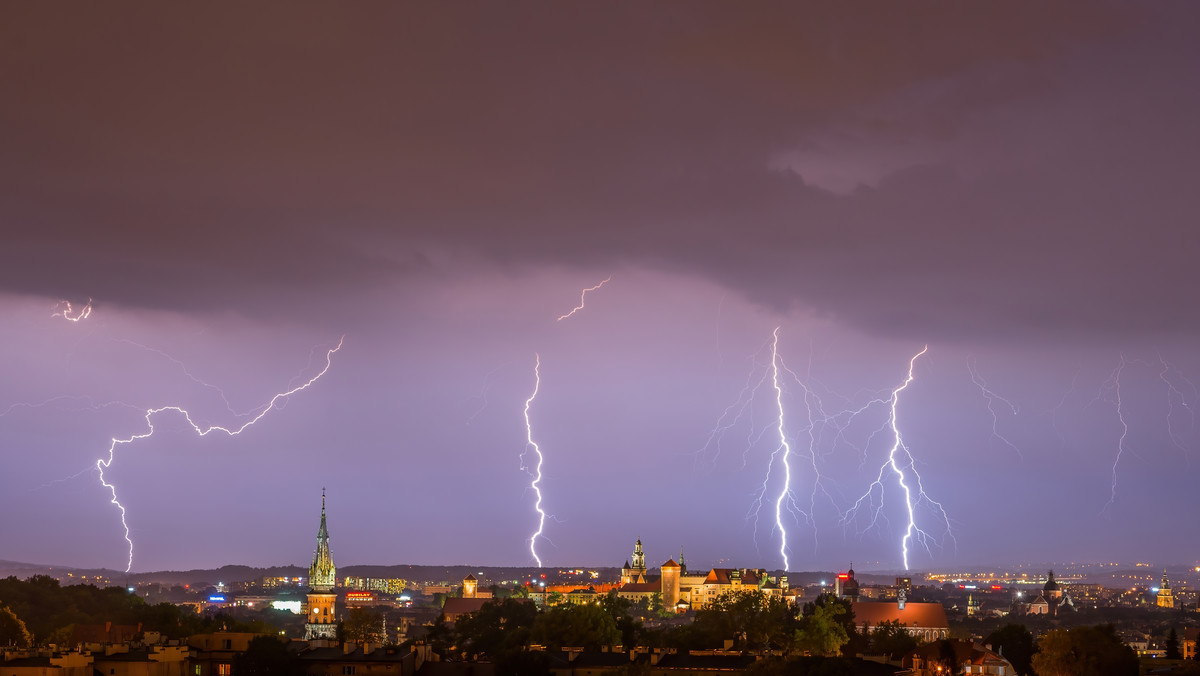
(236, 187)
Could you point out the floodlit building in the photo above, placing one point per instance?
(925, 621)
(321, 622)
(1165, 598)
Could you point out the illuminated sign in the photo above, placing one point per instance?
(216, 598)
(843, 576)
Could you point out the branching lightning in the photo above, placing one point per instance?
(102, 463)
(63, 309)
(914, 491)
(1174, 394)
(582, 297)
(991, 398)
(537, 469)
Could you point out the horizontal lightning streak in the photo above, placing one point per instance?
(102, 464)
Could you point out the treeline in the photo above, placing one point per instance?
(40, 611)
(746, 621)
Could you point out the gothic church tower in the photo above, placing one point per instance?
(321, 622)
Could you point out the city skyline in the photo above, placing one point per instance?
(963, 238)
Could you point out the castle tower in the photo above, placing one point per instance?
(321, 622)
(1166, 598)
(470, 586)
(670, 585)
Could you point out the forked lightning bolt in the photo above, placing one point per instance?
(102, 464)
(991, 398)
(537, 469)
(1174, 393)
(914, 494)
(63, 309)
(582, 297)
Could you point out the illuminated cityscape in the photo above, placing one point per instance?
(631, 338)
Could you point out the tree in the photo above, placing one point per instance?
(1084, 651)
(1015, 643)
(752, 619)
(363, 625)
(893, 639)
(821, 632)
(587, 626)
(441, 637)
(1173, 645)
(267, 656)
(845, 612)
(13, 631)
(497, 628)
(620, 609)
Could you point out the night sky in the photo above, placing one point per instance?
(239, 186)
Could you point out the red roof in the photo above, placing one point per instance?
(924, 615)
(641, 587)
(456, 606)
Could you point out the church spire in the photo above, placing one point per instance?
(323, 532)
(322, 573)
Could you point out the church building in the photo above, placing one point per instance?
(321, 622)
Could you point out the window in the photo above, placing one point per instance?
(224, 669)
(229, 644)
(196, 670)
(348, 670)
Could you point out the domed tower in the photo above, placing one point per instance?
(1051, 590)
(321, 622)
(1166, 598)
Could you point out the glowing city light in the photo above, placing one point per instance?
(582, 297)
(102, 464)
(537, 469)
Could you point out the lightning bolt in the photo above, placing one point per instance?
(785, 459)
(102, 464)
(914, 492)
(531, 444)
(1112, 386)
(991, 398)
(741, 407)
(1173, 394)
(63, 309)
(582, 297)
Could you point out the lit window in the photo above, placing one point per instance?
(224, 669)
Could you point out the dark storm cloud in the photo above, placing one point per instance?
(1022, 166)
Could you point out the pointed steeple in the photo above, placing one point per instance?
(323, 531)
(322, 573)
